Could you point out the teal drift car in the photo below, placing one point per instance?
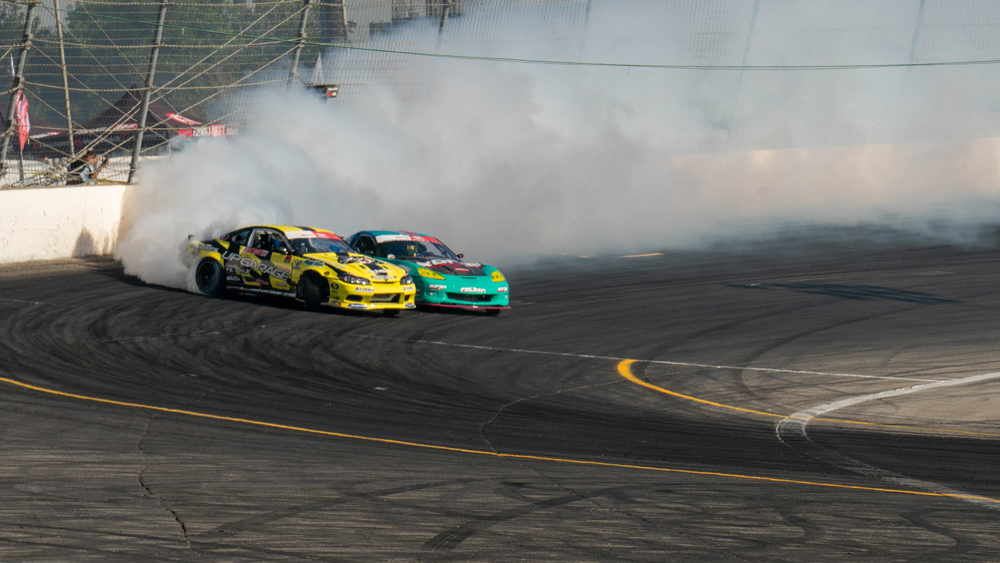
(441, 277)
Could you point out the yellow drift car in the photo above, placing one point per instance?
(311, 265)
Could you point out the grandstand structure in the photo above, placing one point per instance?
(140, 79)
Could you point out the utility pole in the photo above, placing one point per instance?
(445, 11)
(22, 56)
(733, 126)
(916, 32)
(586, 27)
(333, 22)
(157, 42)
(65, 78)
(302, 37)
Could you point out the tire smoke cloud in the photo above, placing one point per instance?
(508, 162)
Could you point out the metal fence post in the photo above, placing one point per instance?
(22, 56)
(157, 41)
(65, 79)
(302, 37)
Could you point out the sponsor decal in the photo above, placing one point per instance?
(206, 247)
(255, 251)
(410, 305)
(357, 306)
(232, 278)
(391, 238)
(288, 258)
(436, 286)
(502, 289)
(181, 119)
(256, 265)
(473, 290)
(224, 237)
(359, 289)
(440, 262)
(293, 234)
(357, 259)
(311, 262)
(405, 237)
(232, 270)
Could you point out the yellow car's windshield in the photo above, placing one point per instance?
(319, 245)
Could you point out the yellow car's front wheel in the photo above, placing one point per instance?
(312, 294)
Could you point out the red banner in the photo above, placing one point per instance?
(23, 123)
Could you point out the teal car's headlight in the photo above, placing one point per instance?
(406, 280)
(425, 273)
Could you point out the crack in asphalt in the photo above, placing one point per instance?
(149, 492)
(499, 412)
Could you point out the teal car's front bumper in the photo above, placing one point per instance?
(463, 291)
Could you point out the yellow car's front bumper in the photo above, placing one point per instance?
(374, 297)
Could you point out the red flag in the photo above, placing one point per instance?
(23, 123)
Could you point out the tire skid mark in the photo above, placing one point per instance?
(486, 453)
(791, 431)
(625, 370)
(451, 538)
(619, 359)
(260, 521)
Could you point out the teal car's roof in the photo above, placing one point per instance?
(379, 233)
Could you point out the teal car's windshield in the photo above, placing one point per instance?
(318, 245)
(424, 249)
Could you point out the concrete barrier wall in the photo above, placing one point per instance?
(52, 223)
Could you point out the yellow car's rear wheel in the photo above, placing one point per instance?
(209, 277)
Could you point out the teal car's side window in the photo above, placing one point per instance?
(366, 245)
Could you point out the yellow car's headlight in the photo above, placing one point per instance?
(425, 273)
(497, 276)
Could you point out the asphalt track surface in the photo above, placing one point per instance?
(140, 423)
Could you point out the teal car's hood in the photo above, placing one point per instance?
(445, 267)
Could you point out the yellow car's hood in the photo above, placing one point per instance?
(361, 266)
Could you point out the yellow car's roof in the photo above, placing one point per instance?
(287, 228)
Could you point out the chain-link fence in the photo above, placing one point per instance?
(132, 80)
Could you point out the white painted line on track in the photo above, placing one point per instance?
(792, 432)
(661, 362)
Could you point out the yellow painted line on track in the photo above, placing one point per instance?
(625, 370)
(479, 452)
(642, 255)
